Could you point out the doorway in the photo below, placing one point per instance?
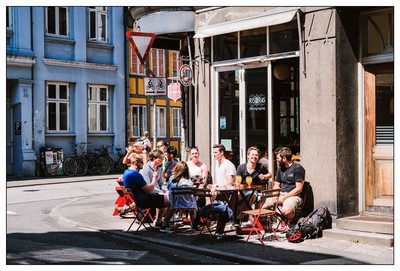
(379, 137)
(258, 104)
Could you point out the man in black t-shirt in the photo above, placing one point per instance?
(290, 179)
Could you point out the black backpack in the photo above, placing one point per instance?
(311, 227)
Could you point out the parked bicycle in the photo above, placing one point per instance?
(91, 158)
(105, 162)
(76, 164)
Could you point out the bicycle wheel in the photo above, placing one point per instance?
(103, 165)
(121, 167)
(69, 166)
(91, 161)
(82, 166)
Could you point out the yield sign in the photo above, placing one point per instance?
(141, 43)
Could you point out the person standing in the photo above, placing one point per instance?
(290, 180)
(198, 171)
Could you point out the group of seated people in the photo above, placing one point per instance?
(151, 182)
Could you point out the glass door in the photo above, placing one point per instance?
(242, 110)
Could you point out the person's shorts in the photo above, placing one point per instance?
(153, 201)
(289, 203)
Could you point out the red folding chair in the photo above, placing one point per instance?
(141, 215)
(262, 218)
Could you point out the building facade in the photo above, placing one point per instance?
(65, 82)
(316, 79)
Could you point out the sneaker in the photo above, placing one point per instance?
(166, 229)
(235, 226)
(218, 236)
(157, 224)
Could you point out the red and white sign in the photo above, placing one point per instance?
(174, 91)
(185, 75)
(141, 43)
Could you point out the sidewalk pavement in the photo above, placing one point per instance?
(232, 247)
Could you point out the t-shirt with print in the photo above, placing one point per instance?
(289, 176)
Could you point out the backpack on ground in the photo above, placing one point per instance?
(311, 226)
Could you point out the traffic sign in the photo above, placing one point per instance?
(155, 86)
(185, 75)
(141, 43)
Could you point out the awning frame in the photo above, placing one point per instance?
(275, 16)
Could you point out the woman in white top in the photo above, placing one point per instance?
(198, 171)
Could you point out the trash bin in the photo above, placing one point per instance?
(51, 161)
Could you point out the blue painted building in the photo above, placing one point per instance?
(65, 82)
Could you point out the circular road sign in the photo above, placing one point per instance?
(186, 75)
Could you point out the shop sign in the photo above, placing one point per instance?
(174, 91)
(257, 102)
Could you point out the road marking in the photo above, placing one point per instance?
(88, 255)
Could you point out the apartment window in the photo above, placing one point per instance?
(157, 62)
(57, 21)
(139, 120)
(176, 122)
(98, 24)
(57, 107)
(98, 108)
(136, 67)
(176, 64)
(161, 122)
(9, 18)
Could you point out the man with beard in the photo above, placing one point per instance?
(290, 179)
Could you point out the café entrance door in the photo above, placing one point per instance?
(243, 109)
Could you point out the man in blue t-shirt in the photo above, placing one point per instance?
(143, 192)
(290, 179)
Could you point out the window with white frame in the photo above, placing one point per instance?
(9, 18)
(57, 21)
(176, 122)
(157, 62)
(176, 64)
(57, 107)
(98, 18)
(136, 66)
(139, 120)
(98, 97)
(161, 122)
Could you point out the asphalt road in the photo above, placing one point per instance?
(72, 223)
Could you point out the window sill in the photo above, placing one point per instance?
(59, 40)
(60, 134)
(100, 134)
(101, 45)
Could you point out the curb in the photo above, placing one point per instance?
(235, 258)
(59, 180)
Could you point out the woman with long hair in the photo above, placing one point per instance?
(179, 178)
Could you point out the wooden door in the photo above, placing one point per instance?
(378, 158)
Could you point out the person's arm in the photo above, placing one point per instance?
(204, 173)
(149, 188)
(297, 190)
(129, 151)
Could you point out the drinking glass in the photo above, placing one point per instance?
(238, 180)
(249, 180)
